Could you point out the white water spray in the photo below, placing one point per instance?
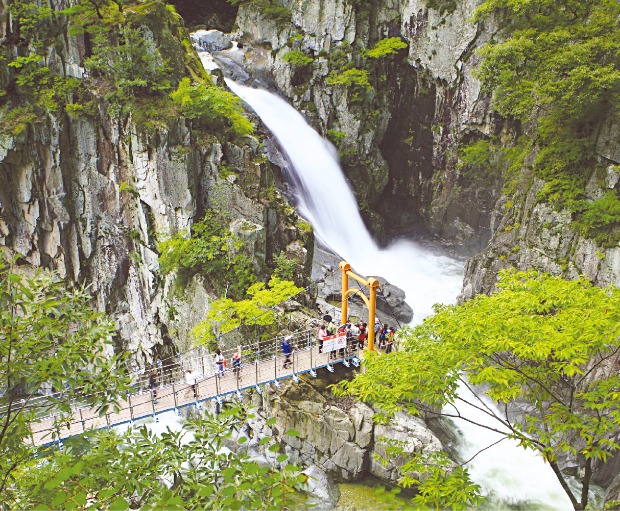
(511, 475)
(327, 202)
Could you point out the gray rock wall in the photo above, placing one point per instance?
(399, 147)
(91, 200)
(529, 234)
(337, 436)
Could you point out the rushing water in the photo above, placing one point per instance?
(327, 202)
(510, 475)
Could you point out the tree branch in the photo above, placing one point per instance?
(508, 365)
(481, 451)
(564, 484)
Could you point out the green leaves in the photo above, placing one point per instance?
(555, 66)
(212, 251)
(540, 340)
(356, 78)
(297, 58)
(49, 337)
(386, 47)
(212, 105)
(173, 471)
(225, 314)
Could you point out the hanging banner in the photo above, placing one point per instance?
(334, 342)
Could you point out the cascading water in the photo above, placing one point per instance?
(508, 473)
(327, 202)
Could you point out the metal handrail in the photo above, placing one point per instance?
(148, 400)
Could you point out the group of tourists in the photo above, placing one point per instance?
(356, 336)
(220, 362)
(385, 336)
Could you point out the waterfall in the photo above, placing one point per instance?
(327, 202)
(509, 474)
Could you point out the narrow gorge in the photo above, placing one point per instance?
(157, 155)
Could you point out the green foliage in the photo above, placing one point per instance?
(17, 119)
(304, 227)
(225, 315)
(337, 137)
(153, 113)
(440, 484)
(122, 59)
(556, 66)
(78, 110)
(486, 158)
(600, 219)
(340, 57)
(539, 339)
(37, 91)
(278, 13)
(125, 187)
(268, 9)
(297, 58)
(386, 47)
(49, 338)
(354, 78)
(286, 268)
(213, 106)
(199, 467)
(134, 64)
(212, 251)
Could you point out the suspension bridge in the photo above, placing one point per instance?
(192, 385)
(193, 377)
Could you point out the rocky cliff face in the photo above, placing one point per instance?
(92, 199)
(530, 234)
(91, 196)
(399, 141)
(337, 436)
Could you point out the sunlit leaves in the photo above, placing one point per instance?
(49, 339)
(386, 47)
(542, 340)
(212, 105)
(212, 251)
(259, 309)
(196, 468)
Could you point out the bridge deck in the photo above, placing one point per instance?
(181, 393)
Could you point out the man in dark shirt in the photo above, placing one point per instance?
(287, 350)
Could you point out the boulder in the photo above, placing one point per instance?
(324, 493)
(412, 434)
(211, 40)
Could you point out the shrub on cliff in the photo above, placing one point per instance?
(213, 106)
(554, 66)
(212, 251)
(297, 58)
(386, 47)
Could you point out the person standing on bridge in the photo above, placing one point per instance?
(331, 328)
(362, 336)
(153, 383)
(389, 340)
(322, 335)
(236, 360)
(287, 350)
(219, 360)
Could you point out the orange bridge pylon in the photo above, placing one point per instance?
(371, 301)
